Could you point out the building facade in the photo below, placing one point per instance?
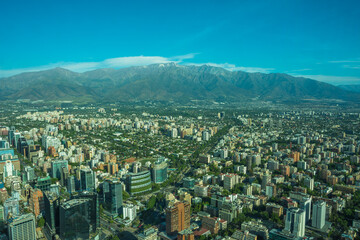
(112, 195)
(177, 217)
(295, 222)
(22, 227)
(319, 214)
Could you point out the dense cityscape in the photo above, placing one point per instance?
(179, 120)
(179, 172)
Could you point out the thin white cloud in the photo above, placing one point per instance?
(133, 61)
(352, 67)
(233, 67)
(335, 80)
(119, 62)
(345, 61)
(80, 67)
(122, 62)
(301, 70)
(184, 57)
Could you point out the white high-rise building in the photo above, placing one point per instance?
(129, 211)
(230, 180)
(295, 222)
(9, 169)
(224, 153)
(205, 136)
(305, 204)
(174, 133)
(319, 214)
(309, 183)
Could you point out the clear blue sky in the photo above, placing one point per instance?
(319, 39)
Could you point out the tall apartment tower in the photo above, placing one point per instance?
(70, 184)
(305, 204)
(75, 219)
(177, 217)
(52, 203)
(319, 214)
(22, 227)
(295, 222)
(93, 210)
(113, 196)
(87, 179)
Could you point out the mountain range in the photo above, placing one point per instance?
(353, 88)
(166, 82)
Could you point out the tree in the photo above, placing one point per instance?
(101, 209)
(54, 180)
(151, 202)
(125, 195)
(41, 222)
(114, 237)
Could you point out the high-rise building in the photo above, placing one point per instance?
(2, 217)
(177, 217)
(227, 211)
(75, 218)
(93, 210)
(270, 190)
(230, 180)
(211, 223)
(11, 135)
(16, 139)
(174, 133)
(71, 184)
(159, 171)
(43, 183)
(224, 153)
(36, 201)
(138, 183)
(295, 222)
(112, 194)
(22, 227)
(129, 211)
(87, 180)
(205, 136)
(309, 183)
(56, 168)
(247, 190)
(51, 203)
(11, 205)
(22, 146)
(9, 170)
(64, 176)
(319, 214)
(305, 204)
(29, 173)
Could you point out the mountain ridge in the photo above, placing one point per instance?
(169, 81)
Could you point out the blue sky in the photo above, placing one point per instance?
(316, 39)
